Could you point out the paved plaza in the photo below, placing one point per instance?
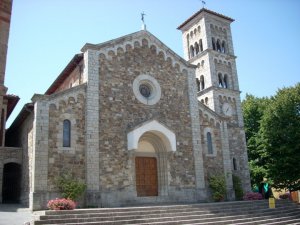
(14, 214)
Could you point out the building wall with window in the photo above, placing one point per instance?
(66, 152)
(211, 144)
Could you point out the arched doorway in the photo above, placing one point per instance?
(11, 185)
(151, 166)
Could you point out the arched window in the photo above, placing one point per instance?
(220, 80)
(192, 51)
(223, 47)
(206, 100)
(225, 81)
(197, 48)
(202, 84)
(188, 43)
(201, 45)
(67, 133)
(213, 43)
(210, 149)
(198, 84)
(234, 164)
(218, 46)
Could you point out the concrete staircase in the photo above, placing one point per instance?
(243, 212)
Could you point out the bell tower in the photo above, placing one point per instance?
(207, 43)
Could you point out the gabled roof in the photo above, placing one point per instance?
(65, 73)
(203, 10)
(208, 110)
(130, 38)
(12, 101)
(25, 111)
(110, 44)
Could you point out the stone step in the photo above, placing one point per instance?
(292, 218)
(155, 213)
(278, 221)
(161, 207)
(149, 212)
(262, 220)
(212, 218)
(230, 221)
(209, 206)
(243, 212)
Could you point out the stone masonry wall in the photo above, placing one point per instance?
(213, 163)
(237, 146)
(26, 141)
(64, 160)
(5, 16)
(120, 112)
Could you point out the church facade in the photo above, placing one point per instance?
(136, 122)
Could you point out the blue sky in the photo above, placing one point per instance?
(46, 34)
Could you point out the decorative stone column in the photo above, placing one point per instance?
(91, 74)
(39, 194)
(196, 135)
(227, 161)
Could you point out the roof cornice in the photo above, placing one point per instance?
(201, 11)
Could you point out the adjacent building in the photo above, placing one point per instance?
(10, 158)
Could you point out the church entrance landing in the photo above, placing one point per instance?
(146, 176)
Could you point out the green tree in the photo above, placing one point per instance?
(253, 111)
(280, 134)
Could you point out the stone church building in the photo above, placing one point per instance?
(137, 123)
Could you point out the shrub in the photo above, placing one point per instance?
(69, 187)
(253, 196)
(237, 186)
(61, 204)
(218, 187)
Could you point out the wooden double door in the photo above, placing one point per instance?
(146, 176)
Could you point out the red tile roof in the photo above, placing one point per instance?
(12, 101)
(25, 112)
(201, 11)
(64, 74)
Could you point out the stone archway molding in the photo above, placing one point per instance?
(167, 136)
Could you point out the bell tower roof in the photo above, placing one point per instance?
(203, 11)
